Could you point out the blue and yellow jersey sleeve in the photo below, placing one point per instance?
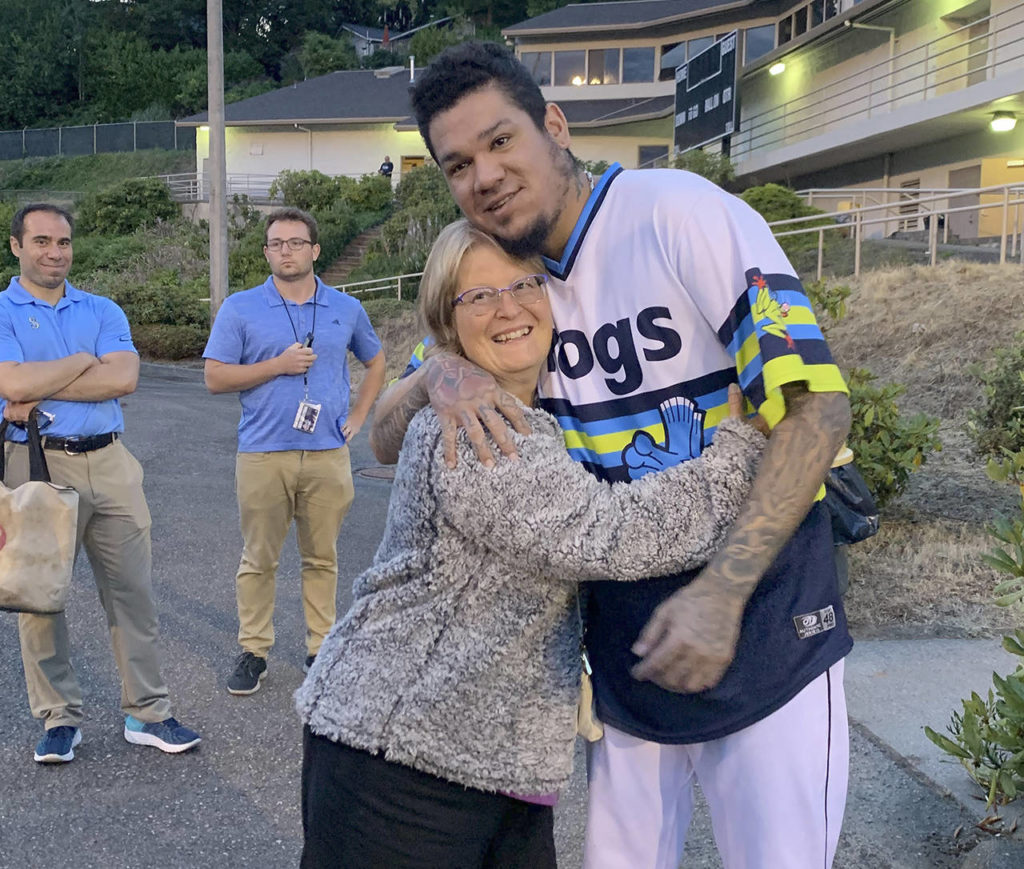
(774, 338)
(416, 360)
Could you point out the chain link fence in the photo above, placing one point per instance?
(96, 139)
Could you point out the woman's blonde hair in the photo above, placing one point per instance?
(440, 281)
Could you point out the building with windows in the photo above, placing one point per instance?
(830, 93)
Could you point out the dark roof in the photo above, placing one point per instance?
(598, 113)
(373, 33)
(628, 14)
(604, 113)
(348, 96)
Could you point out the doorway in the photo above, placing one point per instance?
(964, 224)
(409, 163)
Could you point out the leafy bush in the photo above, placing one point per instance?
(309, 190)
(370, 193)
(717, 168)
(888, 448)
(320, 54)
(101, 252)
(775, 202)
(166, 341)
(164, 298)
(425, 207)
(828, 301)
(999, 425)
(128, 206)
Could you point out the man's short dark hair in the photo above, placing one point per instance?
(296, 214)
(468, 67)
(18, 221)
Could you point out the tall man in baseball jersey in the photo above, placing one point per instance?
(663, 286)
(70, 354)
(283, 347)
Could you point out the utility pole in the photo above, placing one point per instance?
(217, 162)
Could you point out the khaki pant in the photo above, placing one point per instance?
(313, 487)
(114, 524)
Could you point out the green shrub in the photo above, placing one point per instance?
(309, 190)
(370, 193)
(999, 425)
(166, 341)
(828, 301)
(775, 202)
(717, 168)
(101, 252)
(422, 184)
(163, 298)
(888, 448)
(128, 206)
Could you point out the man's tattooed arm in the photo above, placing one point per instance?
(462, 395)
(691, 638)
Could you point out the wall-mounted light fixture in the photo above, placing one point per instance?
(577, 80)
(1003, 122)
(777, 68)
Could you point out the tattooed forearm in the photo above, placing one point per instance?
(799, 454)
(395, 410)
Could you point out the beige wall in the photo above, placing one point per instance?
(353, 150)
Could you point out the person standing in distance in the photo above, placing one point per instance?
(283, 348)
(663, 288)
(70, 354)
(386, 168)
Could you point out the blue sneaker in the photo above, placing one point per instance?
(58, 745)
(167, 735)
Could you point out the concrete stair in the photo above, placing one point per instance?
(339, 270)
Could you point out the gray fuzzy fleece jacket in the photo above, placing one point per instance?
(460, 654)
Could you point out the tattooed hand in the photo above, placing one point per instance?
(690, 639)
(465, 396)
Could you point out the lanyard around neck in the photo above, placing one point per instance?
(295, 332)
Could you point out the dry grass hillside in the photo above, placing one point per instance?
(921, 327)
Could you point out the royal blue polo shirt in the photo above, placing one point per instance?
(255, 325)
(32, 330)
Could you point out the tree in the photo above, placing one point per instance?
(320, 54)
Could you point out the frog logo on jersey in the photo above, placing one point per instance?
(768, 314)
(684, 439)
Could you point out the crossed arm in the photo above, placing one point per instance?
(79, 377)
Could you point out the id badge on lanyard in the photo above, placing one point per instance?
(308, 412)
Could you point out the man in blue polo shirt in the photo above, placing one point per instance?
(283, 347)
(69, 355)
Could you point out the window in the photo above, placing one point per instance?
(785, 30)
(696, 46)
(672, 55)
(637, 64)
(539, 65)
(758, 42)
(603, 66)
(800, 21)
(570, 68)
(652, 156)
(817, 12)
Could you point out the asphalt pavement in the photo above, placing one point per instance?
(234, 802)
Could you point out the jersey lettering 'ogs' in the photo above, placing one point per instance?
(692, 298)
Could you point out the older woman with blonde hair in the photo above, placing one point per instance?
(440, 714)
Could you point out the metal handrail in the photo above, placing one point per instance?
(375, 285)
(886, 83)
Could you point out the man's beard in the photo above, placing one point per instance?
(532, 240)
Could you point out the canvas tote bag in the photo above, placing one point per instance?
(38, 522)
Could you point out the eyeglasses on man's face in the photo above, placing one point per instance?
(276, 244)
(483, 300)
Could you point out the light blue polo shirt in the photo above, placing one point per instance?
(32, 330)
(253, 325)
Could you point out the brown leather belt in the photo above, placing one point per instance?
(73, 446)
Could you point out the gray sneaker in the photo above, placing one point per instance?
(249, 671)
